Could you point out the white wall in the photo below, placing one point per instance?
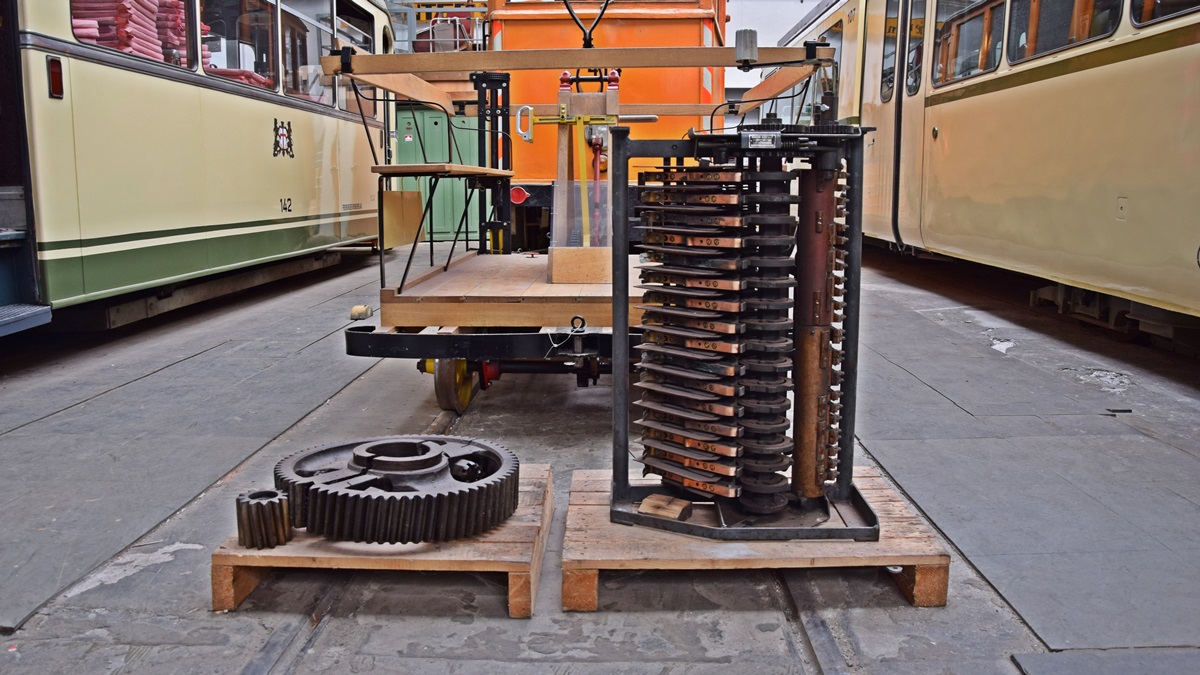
(771, 18)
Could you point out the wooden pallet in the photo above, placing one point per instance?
(516, 547)
(592, 543)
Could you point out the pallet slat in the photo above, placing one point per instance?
(515, 547)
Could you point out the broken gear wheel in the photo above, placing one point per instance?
(400, 489)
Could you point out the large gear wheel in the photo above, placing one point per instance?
(400, 489)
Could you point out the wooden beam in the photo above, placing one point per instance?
(554, 59)
(779, 82)
(409, 88)
(660, 109)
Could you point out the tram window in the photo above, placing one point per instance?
(159, 31)
(916, 46)
(238, 40)
(800, 110)
(356, 28)
(307, 35)
(1149, 11)
(890, 22)
(1042, 26)
(968, 40)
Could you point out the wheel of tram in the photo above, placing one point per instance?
(453, 384)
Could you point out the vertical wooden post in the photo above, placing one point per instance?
(924, 585)
(581, 590)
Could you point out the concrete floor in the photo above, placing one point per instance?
(1070, 525)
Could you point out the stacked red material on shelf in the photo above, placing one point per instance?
(125, 25)
(171, 21)
(247, 76)
(87, 30)
(205, 52)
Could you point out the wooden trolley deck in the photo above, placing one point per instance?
(499, 291)
(593, 542)
(516, 547)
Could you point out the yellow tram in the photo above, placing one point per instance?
(149, 143)
(1057, 138)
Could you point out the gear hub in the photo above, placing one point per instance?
(400, 489)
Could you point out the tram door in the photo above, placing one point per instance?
(12, 168)
(895, 107)
(19, 290)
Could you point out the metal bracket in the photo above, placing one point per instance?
(526, 111)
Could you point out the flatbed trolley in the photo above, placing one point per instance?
(490, 314)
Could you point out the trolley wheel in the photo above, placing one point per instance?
(453, 384)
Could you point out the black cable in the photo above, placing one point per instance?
(803, 90)
(366, 129)
(435, 104)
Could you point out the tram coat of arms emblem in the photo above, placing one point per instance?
(283, 139)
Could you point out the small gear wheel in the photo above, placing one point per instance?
(263, 519)
(401, 489)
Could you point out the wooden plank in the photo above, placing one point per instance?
(515, 547)
(430, 312)
(592, 542)
(580, 265)
(655, 9)
(402, 218)
(778, 82)
(516, 288)
(666, 506)
(554, 59)
(458, 282)
(409, 87)
(509, 285)
(440, 169)
(629, 110)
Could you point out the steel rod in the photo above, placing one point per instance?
(619, 178)
(852, 290)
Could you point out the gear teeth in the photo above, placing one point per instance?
(263, 519)
(331, 497)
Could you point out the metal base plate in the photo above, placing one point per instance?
(850, 518)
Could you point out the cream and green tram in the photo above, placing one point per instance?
(1057, 138)
(150, 143)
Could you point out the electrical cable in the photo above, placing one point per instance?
(366, 129)
(800, 92)
(435, 104)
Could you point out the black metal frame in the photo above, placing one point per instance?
(495, 150)
(842, 142)
(512, 344)
(493, 131)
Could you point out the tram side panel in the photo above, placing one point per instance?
(140, 176)
(142, 179)
(358, 193)
(1086, 178)
(54, 190)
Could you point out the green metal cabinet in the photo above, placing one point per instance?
(421, 137)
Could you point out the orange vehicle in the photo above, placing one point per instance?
(526, 24)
